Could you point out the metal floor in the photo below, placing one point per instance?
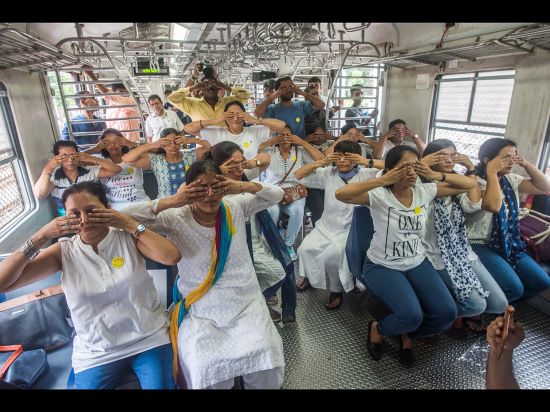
(327, 350)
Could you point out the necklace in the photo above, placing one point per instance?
(201, 222)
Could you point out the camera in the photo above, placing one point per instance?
(208, 73)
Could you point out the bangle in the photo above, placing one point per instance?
(260, 119)
(242, 187)
(371, 163)
(29, 250)
(200, 122)
(97, 162)
(443, 177)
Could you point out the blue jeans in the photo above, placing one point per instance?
(420, 301)
(529, 280)
(288, 294)
(295, 212)
(475, 304)
(152, 367)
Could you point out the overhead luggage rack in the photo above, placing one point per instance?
(18, 49)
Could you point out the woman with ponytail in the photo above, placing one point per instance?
(220, 326)
(494, 230)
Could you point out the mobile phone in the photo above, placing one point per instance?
(508, 319)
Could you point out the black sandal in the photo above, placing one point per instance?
(332, 297)
(374, 349)
(406, 357)
(303, 285)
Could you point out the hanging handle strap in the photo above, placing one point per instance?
(17, 350)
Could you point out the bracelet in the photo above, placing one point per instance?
(242, 187)
(443, 176)
(200, 122)
(29, 249)
(371, 163)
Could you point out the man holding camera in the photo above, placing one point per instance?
(210, 105)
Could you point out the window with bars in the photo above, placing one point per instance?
(470, 108)
(15, 201)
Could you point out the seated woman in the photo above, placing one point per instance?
(288, 153)
(116, 312)
(164, 157)
(446, 244)
(225, 330)
(127, 186)
(235, 116)
(396, 269)
(272, 263)
(69, 166)
(494, 230)
(323, 251)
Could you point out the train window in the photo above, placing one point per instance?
(15, 202)
(56, 96)
(470, 108)
(544, 163)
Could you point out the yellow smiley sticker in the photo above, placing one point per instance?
(186, 168)
(246, 145)
(298, 120)
(117, 262)
(417, 210)
(293, 158)
(130, 170)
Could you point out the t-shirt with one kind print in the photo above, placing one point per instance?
(398, 230)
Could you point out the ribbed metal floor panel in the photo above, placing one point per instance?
(327, 350)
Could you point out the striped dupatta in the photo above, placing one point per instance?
(220, 249)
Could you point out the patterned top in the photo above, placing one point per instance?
(279, 167)
(170, 176)
(125, 187)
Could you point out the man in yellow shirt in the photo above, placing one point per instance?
(209, 106)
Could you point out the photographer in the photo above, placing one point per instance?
(209, 106)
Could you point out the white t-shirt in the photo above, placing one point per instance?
(480, 224)
(431, 247)
(249, 139)
(156, 124)
(389, 145)
(125, 187)
(398, 230)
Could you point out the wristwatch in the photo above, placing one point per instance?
(258, 163)
(139, 230)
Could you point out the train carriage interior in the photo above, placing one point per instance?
(465, 82)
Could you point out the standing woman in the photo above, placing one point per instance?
(116, 312)
(225, 329)
(288, 153)
(396, 269)
(323, 251)
(446, 244)
(235, 116)
(494, 231)
(124, 187)
(164, 157)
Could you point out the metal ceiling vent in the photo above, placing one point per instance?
(159, 31)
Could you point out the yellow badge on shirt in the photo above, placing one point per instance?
(294, 158)
(117, 262)
(186, 168)
(130, 170)
(298, 120)
(246, 144)
(417, 210)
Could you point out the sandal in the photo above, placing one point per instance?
(303, 285)
(475, 325)
(406, 357)
(374, 349)
(332, 297)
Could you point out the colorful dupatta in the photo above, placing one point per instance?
(220, 249)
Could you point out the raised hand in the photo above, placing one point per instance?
(60, 226)
(463, 160)
(84, 159)
(296, 140)
(230, 166)
(184, 140)
(397, 174)
(188, 194)
(495, 333)
(331, 158)
(519, 160)
(355, 158)
(423, 170)
(497, 164)
(226, 186)
(105, 217)
(435, 158)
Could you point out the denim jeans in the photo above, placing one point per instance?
(288, 294)
(529, 279)
(152, 367)
(295, 212)
(475, 304)
(420, 302)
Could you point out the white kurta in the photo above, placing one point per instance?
(228, 332)
(331, 229)
(113, 301)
